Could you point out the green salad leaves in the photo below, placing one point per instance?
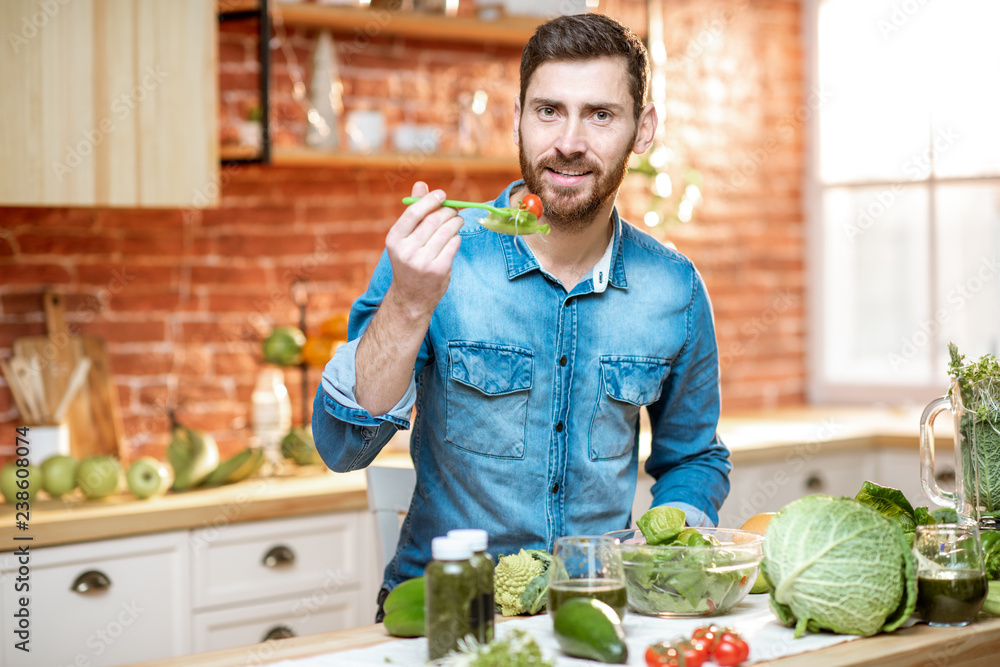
(671, 574)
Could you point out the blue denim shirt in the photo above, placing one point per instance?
(527, 397)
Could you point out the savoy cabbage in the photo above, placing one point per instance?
(837, 564)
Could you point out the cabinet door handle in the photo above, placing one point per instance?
(91, 581)
(279, 556)
(815, 483)
(278, 632)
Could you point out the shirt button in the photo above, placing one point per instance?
(562, 360)
(559, 427)
(555, 488)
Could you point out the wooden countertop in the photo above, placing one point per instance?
(751, 436)
(307, 491)
(972, 646)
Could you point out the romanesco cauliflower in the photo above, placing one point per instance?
(521, 582)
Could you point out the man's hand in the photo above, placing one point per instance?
(421, 247)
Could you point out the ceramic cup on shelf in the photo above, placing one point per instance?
(365, 131)
(47, 440)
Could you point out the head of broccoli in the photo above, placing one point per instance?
(521, 582)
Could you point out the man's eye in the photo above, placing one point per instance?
(548, 111)
(603, 115)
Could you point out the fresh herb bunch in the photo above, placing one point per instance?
(516, 649)
(979, 384)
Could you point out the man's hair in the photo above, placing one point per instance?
(583, 37)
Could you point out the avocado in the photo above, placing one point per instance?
(590, 629)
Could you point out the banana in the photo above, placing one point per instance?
(225, 470)
(248, 469)
(193, 454)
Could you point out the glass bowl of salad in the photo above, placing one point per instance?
(700, 572)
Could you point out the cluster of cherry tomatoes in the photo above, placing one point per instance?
(723, 646)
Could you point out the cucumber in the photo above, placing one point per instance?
(590, 629)
(410, 593)
(405, 622)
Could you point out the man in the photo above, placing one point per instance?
(528, 357)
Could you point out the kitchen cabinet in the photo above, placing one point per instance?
(766, 481)
(802, 470)
(102, 603)
(280, 578)
(224, 585)
(109, 103)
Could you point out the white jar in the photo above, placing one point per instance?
(271, 417)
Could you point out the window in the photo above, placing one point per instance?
(904, 193)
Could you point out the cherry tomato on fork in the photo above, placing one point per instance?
(533, 204)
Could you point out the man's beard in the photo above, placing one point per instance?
(561, 211)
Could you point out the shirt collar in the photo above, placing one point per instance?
(520, 260)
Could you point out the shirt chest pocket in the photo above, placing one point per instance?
(627, 384)
(487, 393)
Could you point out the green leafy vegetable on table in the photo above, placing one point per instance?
(838, 564)
(515, 649)
(521, 582)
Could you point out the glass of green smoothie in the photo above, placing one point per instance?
(587, 566)
(951, 581)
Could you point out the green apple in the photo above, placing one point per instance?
(59, 475)
(148, 476)
(9, 482)
(99, 476)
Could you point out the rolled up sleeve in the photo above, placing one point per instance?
(347, 436)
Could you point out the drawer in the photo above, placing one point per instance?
(274, 559)
(769, 486)
(141, 614)
(308, 614)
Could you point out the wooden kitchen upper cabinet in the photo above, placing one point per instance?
(109, 103)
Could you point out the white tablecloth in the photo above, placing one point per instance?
(753, 618)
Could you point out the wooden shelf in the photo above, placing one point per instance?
(511, 31)
(238, 153)
(307, 157)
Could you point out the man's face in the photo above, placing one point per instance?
(575, 133)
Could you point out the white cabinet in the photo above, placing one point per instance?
(802, 470)
(273, 579)
(119, 601)
(766, 484)
(900, 468)
(102, 603)
(321, 610)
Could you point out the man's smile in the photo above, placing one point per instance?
(566, 178)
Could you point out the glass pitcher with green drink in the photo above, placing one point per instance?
(974, 401)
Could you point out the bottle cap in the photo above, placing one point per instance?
(448, 548)
(477, 538)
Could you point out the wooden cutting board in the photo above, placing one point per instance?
(94, 416)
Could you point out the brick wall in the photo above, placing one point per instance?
(183, 297)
